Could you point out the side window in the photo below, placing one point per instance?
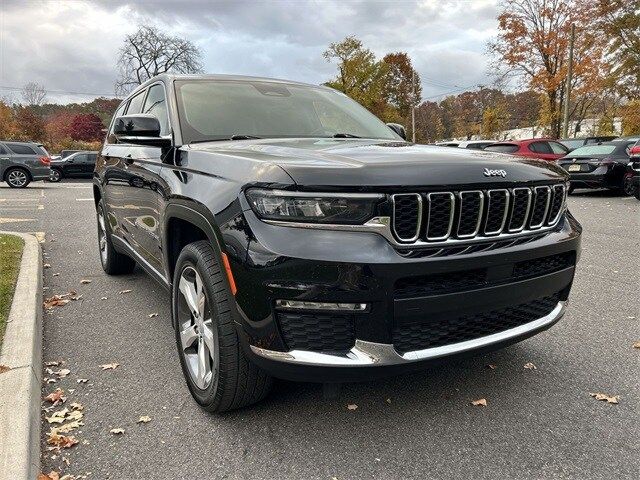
(156, 105)
(540, 147)
(558, 148)
(92, 158)
(21, 149)
(3, 151)
(135, 104)
(79, 158)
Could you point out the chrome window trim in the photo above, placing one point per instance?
(526, 215)
(393, 219)
(452, 204)
(546, 208)
(504, 215)
(365, 353)
(480, 211)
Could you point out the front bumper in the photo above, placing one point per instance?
(347, 267)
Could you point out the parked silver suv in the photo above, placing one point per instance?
(23, 162)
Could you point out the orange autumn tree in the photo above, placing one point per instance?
(533, 44)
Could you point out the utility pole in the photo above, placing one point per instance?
(413, 106)
(565, 126)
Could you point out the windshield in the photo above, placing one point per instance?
(593, 150)
(220, 109)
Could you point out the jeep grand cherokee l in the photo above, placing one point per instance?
(301, 238)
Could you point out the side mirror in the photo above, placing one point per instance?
(399, 129)
(140, 129)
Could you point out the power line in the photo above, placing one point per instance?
(88, 94)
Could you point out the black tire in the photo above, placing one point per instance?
(235, 382)
(628, 188)
(56, 175)
(17, 177)
(113, 262)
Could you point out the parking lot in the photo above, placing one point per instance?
(539, 421)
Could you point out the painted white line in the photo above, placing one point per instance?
(16, 220)
(84, 199)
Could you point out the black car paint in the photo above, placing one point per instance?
(148, 189)
(602, 176)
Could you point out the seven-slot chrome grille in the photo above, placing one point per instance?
(472, 214)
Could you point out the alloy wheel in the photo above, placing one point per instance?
(102, 237)
(17, 178)
(198, 342)
(627, 186)
(54, 176)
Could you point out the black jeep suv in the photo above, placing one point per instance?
(302, 238)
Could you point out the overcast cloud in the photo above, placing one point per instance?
(71, 46)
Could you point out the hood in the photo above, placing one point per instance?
(366, 163)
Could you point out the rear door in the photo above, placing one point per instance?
(542, 149)
(88, 164)
(73, 164)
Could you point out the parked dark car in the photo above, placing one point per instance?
(573, 143)
(542, 148)
(22, 163)
(300, 237)
(633, 170)
(66, 153)
(77, 165)
(603, 165)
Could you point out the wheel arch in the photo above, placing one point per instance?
(16, 167)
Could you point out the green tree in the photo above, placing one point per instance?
(360, 75)
(495, 119)
(619, 21)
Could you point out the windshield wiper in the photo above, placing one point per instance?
(345, 135)
(232, 137)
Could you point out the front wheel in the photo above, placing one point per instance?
(216, 369)
(17, 178)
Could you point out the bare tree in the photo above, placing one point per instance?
(149, 52)
(33, 94)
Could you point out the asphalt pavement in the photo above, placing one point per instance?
(538, 423)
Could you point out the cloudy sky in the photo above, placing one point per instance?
(70, 46)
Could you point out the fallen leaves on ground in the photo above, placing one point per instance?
(77, 406)
(109, 366)
(352, 406)
(152, 315)
(56, 397)
(4, 368)
(117, 431)
(121, 292)
(605, 398)
(482, 402)
(491, 366)
(53, 363)
(144, 419)
(68, 427)
(61, 441)
(56, 274)
(84, 281)
(530, 366)
(61, 300)
(388, 401)
(636, 345)
(46, 265)
(82, 380)
(104, 298)
(63, 372)
(52, 475)
(58, 417)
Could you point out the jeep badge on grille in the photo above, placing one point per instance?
(494, 173)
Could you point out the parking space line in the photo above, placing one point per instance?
(84, 199)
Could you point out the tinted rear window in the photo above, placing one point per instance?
(22, 149)
(507, 148)
(593, 150)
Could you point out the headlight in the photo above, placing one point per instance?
(331, 208)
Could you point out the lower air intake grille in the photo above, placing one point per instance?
(544, 265)
(317, 332)
(446, 332)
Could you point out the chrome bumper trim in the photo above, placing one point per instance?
(374, 354)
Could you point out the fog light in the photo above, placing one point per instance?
(336, 307)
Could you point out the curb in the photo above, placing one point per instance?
(20, 386)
